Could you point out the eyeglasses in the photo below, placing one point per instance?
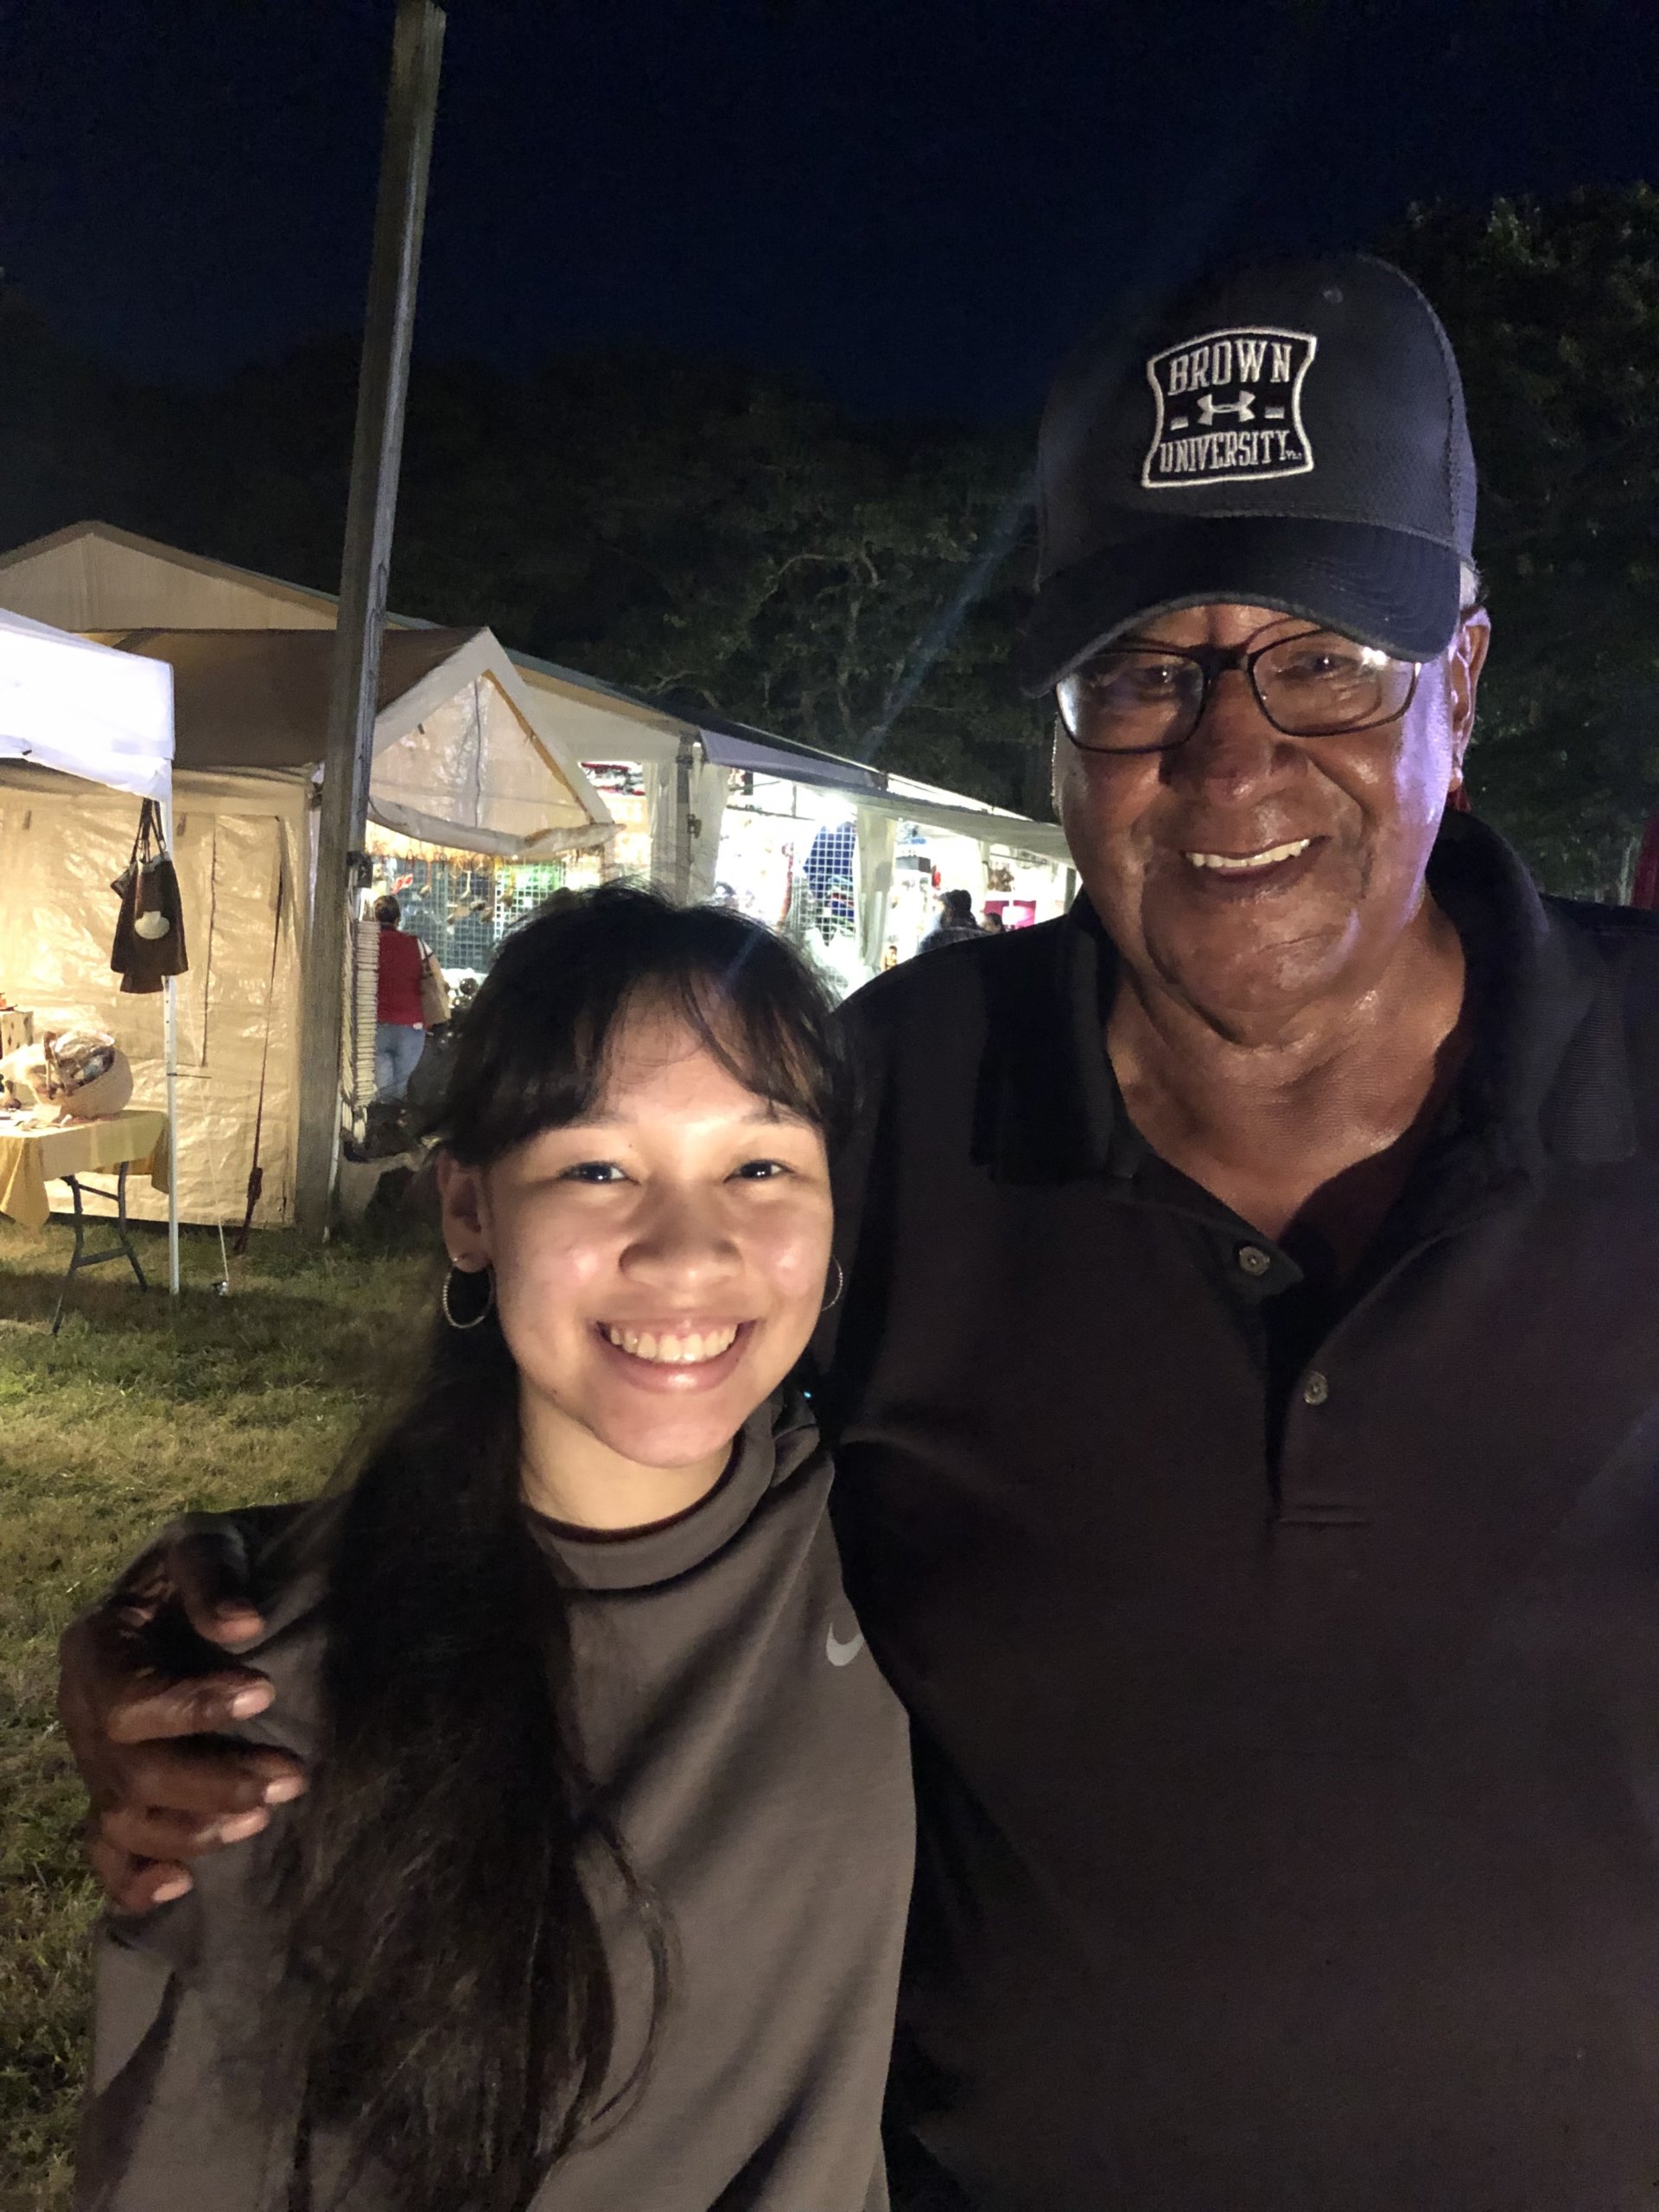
(1150, 698)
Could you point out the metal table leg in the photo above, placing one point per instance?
(121, 1250)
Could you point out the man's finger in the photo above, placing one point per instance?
(208, 1572)
(193, 1705)
(207, 1780)
(134, 1884)
(157, 1832)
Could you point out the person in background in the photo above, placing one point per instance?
(400, 1030)
(956, 923)
(992, 924)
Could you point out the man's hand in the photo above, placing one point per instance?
(143, 1691)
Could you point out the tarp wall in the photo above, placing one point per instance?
(237, 840)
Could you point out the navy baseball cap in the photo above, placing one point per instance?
(1291, 437)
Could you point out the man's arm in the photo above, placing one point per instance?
(144, 1692)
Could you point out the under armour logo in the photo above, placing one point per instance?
(1244, 377)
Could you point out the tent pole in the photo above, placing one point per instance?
(170, 1054)
(684, 760)
(377, 452)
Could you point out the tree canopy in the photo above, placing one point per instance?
(724, 538)
(1553, 313)
(715, 537)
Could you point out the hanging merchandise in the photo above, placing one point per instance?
(150, 929)
(435, 992)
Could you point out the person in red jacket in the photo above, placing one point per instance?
(399, 1031)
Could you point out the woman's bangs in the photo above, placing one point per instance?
(745, 1033)
(534, 1049)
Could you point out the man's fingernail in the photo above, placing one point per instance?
(282, 1789)
(239, 1826)
(254, 1698)
(176, 1885)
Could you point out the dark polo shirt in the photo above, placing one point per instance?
(1283, 1657)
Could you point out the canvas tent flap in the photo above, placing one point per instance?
(459, 758)
(472, 774)
(258, 699)
(67, 704)
(733, 750)
(432, 829)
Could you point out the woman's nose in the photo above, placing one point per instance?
(683, 1236)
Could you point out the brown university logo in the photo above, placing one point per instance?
(1229, 408)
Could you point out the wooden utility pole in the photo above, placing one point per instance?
(383, 383)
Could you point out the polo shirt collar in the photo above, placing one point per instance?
(1547, 1077)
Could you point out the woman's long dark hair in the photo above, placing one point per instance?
(446, 1969)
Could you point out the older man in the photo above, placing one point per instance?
(1273, 1575)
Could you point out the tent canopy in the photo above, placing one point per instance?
(92, 576)
(463, 755)
(75, 706)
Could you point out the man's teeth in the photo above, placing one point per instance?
(1238, 863)
(674, 1351)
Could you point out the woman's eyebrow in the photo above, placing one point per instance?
(598, 1117)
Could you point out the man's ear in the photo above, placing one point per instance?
(1464, 663)
(463, 1207)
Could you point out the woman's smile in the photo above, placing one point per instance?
(677, 1357)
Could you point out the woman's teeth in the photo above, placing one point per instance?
(1237, 863)
(674, 1351)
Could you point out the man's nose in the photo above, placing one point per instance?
(1235, 749)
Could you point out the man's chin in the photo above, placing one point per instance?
(1238, 976)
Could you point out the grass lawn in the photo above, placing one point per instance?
(141, 1407)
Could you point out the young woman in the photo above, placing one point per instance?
(595, 1900)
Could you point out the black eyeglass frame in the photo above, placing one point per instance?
(1213, 661)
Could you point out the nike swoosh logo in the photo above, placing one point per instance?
(839, 1654)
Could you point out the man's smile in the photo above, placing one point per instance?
(1243, 864)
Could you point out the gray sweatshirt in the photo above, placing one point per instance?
(759, 1772)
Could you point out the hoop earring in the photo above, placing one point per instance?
(840, 1284)
(484, 1312)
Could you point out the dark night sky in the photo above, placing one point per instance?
(917, 202)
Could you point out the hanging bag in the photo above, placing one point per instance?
(150, 928)
(435, 991)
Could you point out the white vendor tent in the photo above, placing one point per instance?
(463, 757)
(73, 712)
(694, 777)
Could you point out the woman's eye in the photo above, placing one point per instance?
(759, 1171)
(593, 1171)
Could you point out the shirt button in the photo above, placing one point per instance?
(1253, 1260)
(1316, 1389)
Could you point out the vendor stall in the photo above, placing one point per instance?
(702, 807)
(462, 762)
(831, 850)
(75, 713)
